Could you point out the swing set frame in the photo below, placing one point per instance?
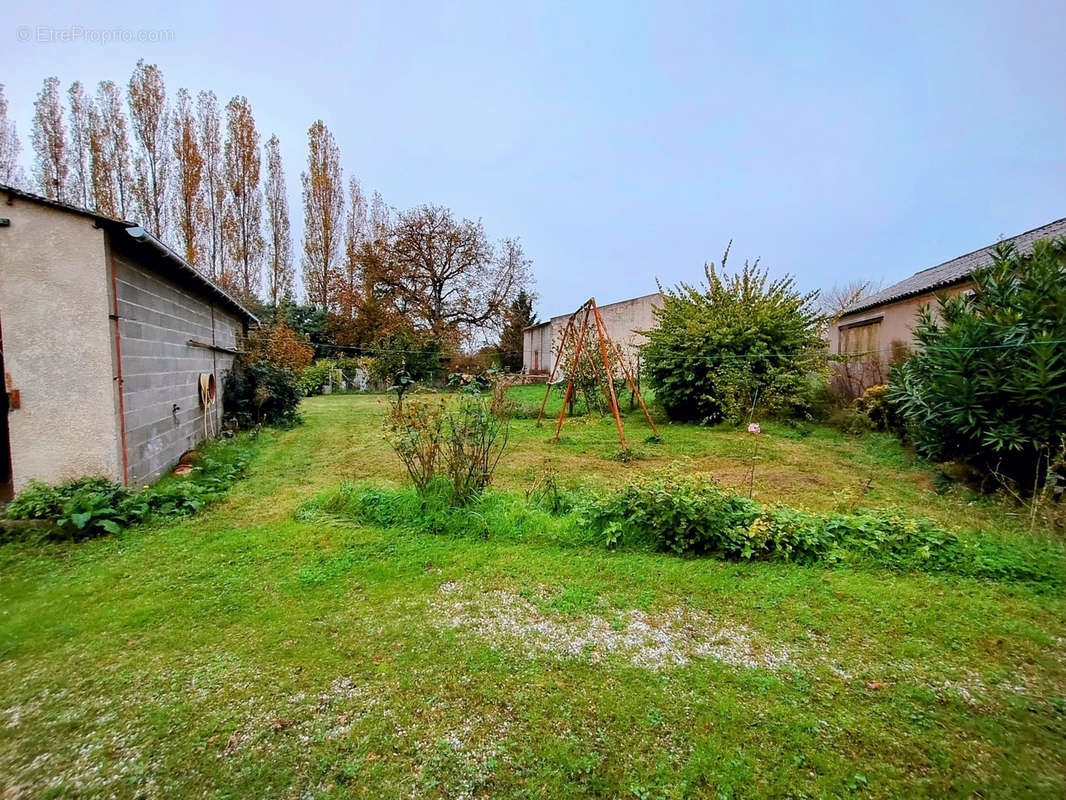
(577, 333)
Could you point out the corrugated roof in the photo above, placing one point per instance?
(112, 222)
(955, 271)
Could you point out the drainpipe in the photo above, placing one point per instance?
(118, 362)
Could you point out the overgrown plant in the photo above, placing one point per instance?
(988, 385)
(95, 506)
(716, 345)
(586, 370)
(415, 430)
(474, 441)
(459, 442)
(261, 393)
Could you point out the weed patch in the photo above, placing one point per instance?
(96, 506)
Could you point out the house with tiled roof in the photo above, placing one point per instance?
(880, 328)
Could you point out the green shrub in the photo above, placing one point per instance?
(95, 506)
(691, 514)
(260, 393)
(879, 408)
(741, 338)
(458, 440)
(404, 359)
(314, 378)
(498, 515)
(988, 384)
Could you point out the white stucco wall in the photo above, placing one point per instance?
(54, 306)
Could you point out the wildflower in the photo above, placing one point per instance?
(754, 428)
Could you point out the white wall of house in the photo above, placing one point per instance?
(57, 345)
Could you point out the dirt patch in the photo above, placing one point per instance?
(654, 641)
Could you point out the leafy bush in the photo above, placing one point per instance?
(741, 337)
(281, 346)
(460, 442)
(95, 506)
(259, 393)
(314, 377)
(880, 410)
(988, 385)
(692, 514)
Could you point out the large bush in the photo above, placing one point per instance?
(260, 393)
(988, 385)
(456, 444)
(718, 345)
(281, 346)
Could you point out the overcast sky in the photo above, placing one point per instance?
(626, 142)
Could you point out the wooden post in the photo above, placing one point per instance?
(577, 359)
(558, 356)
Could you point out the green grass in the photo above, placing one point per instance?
(247, 652)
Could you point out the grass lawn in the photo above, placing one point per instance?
(245, 653)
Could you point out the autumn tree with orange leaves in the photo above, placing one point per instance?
(188, 195)
(281, 346)
(51, 164)
(323, 194)
(109, 148)
(244, 237)
(80, 153)
(209, 125)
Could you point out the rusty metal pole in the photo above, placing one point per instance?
(577, 359)
(607, 373)
(636, 391)
(548, 386)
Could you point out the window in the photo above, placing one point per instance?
(861, 337)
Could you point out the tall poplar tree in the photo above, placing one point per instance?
(109, 146)
(10, 147)
(150, 117)
(51, 162)
(278, 236)
(244, 237)
(213, 175)
(323, 195)
(188, 196)
(81, 184)
(349, 277)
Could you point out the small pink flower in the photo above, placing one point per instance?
(754, 428)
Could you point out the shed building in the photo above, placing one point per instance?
(106, 336)
(880, 328)
(626, 322)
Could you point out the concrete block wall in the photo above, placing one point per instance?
(160, 370)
